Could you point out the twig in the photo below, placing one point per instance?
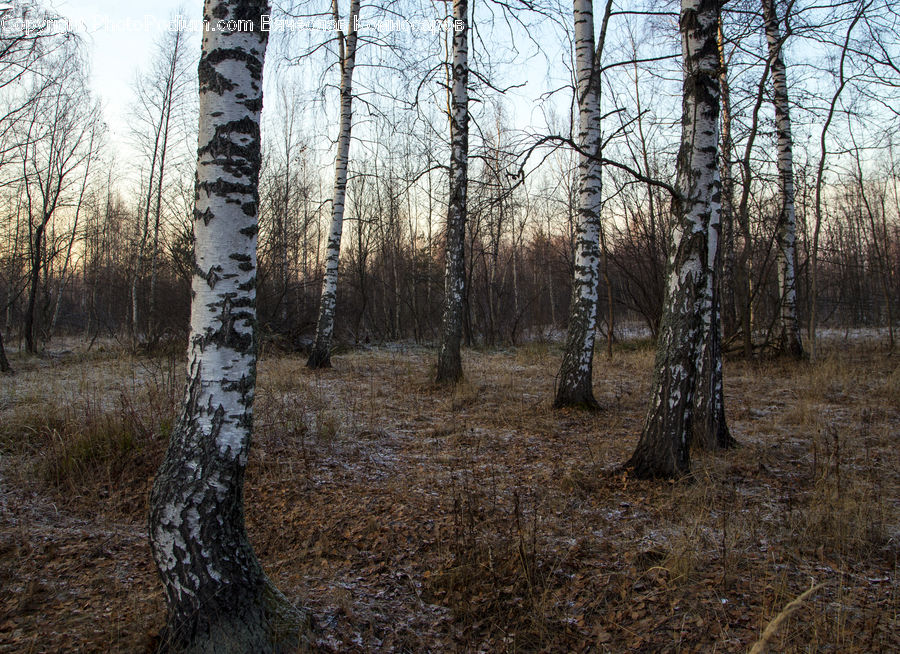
(761, 646)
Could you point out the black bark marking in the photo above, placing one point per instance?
(211, 276)
(253, 63)
(223, 188)
(206, 215)
(211, 81)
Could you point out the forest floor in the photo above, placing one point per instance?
(409, 518)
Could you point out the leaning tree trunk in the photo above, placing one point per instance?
(576, 372)
(663, 449)
(320, 357)
(789, 339)
(449, 364)
(217, 596)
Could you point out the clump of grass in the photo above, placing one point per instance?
(888, 390)
(25, 427)
(845, 513)
(93, 446)
(580, 481)
(99, 445)
(536, 353)
(465, 394)
(77, 436)
(762, 645)
(328, 426)
(493, 569)
(641, 345)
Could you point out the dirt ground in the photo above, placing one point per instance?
(409, 518)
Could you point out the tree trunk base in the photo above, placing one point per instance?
(280, 629)
(4, 362)
(660, 453)
(640, 468)
(723, 441)
(319, 359)
(788, 344)
(793, 350)
(449, 364)
(578, 400)
(576, 374)
(726, 441)
(448, 376)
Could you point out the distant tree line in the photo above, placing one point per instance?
(93, 246)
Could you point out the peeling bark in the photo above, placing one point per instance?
(789, 341)
(663, 449)
(320, 357)
(449, 364)
(710, 429)
(218, 598)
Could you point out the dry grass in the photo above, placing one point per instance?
(409, 518)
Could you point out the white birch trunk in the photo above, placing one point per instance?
(449, 365)
(218, 597)
(789, 340)
(663, 449)
(710, 430)
(320, 357)
(576, 371)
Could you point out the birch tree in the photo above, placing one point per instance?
(218, 598)
(789, 340)
(663, 449)
(320, 357)
(710, 429)
(576, 371)
(449, 364)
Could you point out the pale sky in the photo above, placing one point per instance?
(120, 36)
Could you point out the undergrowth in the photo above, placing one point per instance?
(415, 518)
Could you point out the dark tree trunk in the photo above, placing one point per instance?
(4, 362)
(218, 598)
(726, 287)
(34, 284)
(710, 428)
(663, 449)
(449, 364)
